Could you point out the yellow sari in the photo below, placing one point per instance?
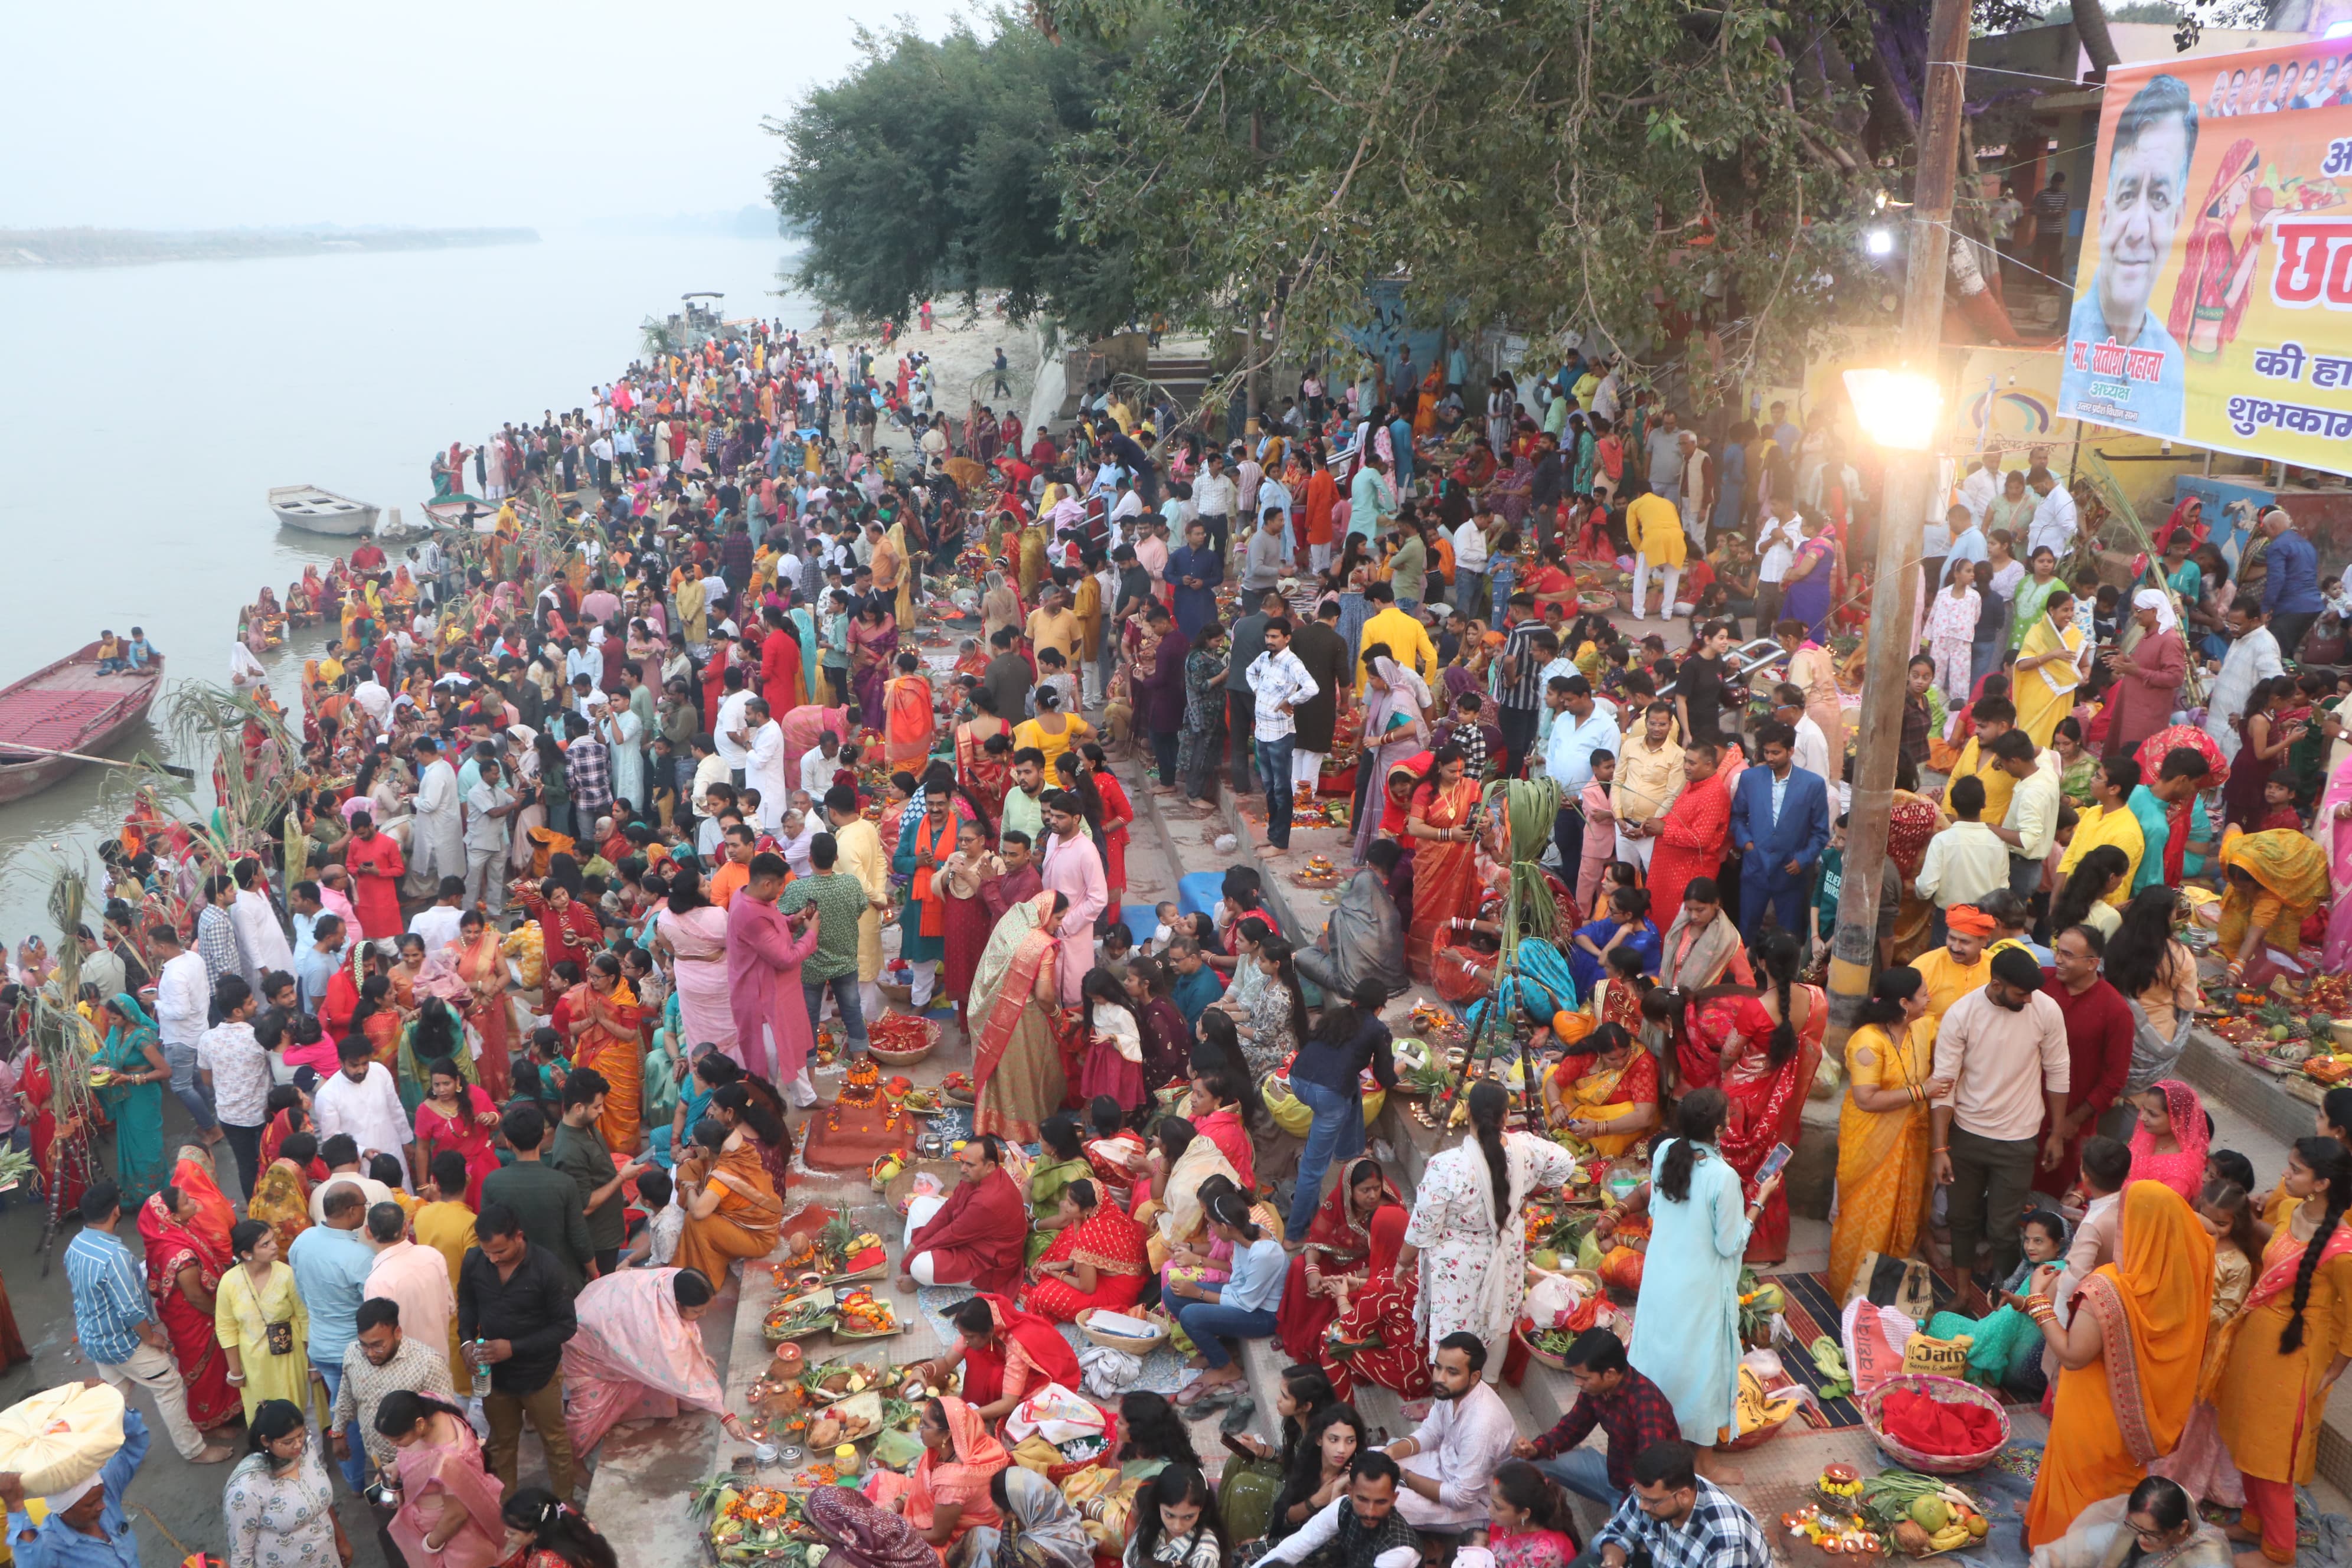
(2046, 693)
(897, 540)
(744, 1223)
(1882, 1177)
(1611, 1094)
(2290, 875)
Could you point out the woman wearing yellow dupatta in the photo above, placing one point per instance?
(897, 540)
(2128, 1361)
(606, 1020)
(731, 1202)
(1181, 1160)
(1016, 1066)
(2049, 669)
(1033, 561)
(890, 568)
(1883, 1133)
(2276, 879)
(2280, 1356)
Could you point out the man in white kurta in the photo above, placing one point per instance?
(262, 944)
(436, 835)
(1074, 866)
(1452, 1455)
(2252, 657)
(360, 1099)
(763, 768)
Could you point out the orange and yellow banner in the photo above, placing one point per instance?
(2213, 301)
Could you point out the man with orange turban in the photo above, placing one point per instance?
(1959, 966)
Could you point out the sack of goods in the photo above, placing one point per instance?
(60, 1439)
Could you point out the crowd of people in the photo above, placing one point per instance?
(597, 817)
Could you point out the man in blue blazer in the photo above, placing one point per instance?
(1779, 825)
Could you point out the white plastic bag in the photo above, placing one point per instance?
(1055, 1414)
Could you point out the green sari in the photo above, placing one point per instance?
(2026, 609)
(136, 1109)
(1045, 1185)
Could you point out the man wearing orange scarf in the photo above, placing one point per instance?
(924, 845)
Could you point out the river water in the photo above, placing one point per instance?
(152, 407)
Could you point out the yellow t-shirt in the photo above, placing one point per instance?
(2098, 826)
(1998, 783)
(1029, 732)
(1945, 981)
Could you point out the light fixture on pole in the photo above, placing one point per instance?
(1899, 409)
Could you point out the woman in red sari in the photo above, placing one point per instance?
(910, 728)
(459, 1116)
(1442, 828)
(1004, 1352)
(1337, 1243)
(1375, 1339)
(1769, 1049)
(184, 1272)
(2210, 297)
(1097, 1259)
(605, 1035)
(61, 1152)
(482, 965)
(1118, 812)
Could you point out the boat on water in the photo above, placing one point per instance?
(314, 510)
(66, 706)
(461, 512)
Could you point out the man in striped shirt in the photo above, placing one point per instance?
(112, 1320)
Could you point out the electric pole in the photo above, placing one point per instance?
(1910, 483)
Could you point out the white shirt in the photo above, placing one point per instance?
(184, 996)
(1963, 863)
(763, 770)
(1212, 496)
(484, 831)
(373, 1190)
(1776, 547)
(1814, 749)
(1979, 491)
(241, 1075)
(817, 771)
(369, 1111)
(1470, 547)
(730, 719)
(1277, 678)
(1460, 1443)
(2252, 657)
(437, 925)
(2055, 524)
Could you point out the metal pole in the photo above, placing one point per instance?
(1910, 476)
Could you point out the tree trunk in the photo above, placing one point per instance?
(2091, 27)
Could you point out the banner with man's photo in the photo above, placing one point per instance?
(2213, 301)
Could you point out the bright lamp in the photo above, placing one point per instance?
(1897, 408)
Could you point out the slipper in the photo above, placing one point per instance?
(1191, 1394)
(1216, 1396)
(1237, 1419)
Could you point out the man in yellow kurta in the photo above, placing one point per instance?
(1088, 608)
(1655, 529)
(1407, 638)
(2109, 820)
(860, 855)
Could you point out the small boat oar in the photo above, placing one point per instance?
(173, 769)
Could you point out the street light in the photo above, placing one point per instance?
(1899, 409)
(1879, 242)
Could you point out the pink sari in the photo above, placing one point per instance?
(434, 1478)
(633, 1357)
(698, 938)
(2184, 1173)
(2338, 839)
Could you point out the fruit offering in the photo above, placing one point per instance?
(1834, 1536)
(1922, 1515)
(864, 1316)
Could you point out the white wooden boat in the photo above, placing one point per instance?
(314, 510)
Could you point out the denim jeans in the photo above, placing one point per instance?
(354, 1469)
(845, 998)
(1163, 753)
(1585, 1472)
(1470, 591)
(1206, 1322)
(183, 1060)
(1336, 1133)
(1274, 763)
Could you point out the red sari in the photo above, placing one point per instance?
(64, 1162)
(1344, 1244)
(1380, 1322)
(909, 730)
(1118, 812)
(1444, 876)
(171, 1246)
(436, 1129)
(1766, 1102)
(483, 968)
(1114, 1244)
(987, 777)
(1040, 1341)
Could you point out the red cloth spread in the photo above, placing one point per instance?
(1933, 1426)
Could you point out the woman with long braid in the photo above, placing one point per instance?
(1687, 1320)
(2283, 1353)
(1767, 1049)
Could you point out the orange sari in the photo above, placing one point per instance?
(744, 1223)
(612, 1045)
(911, 729)
(1444, 876)
(2112, 1417)
(483, 968)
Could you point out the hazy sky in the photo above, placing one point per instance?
(137, 113)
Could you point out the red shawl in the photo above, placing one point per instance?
(983, 1368)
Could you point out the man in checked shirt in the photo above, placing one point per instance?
(1677, 1518)
(1611, 1395)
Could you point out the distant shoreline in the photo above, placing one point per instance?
(29, 247)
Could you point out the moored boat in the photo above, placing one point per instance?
(66, 706)
(314, 510)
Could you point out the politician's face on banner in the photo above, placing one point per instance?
(2142, 212)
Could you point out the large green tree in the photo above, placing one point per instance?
(929, 170)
